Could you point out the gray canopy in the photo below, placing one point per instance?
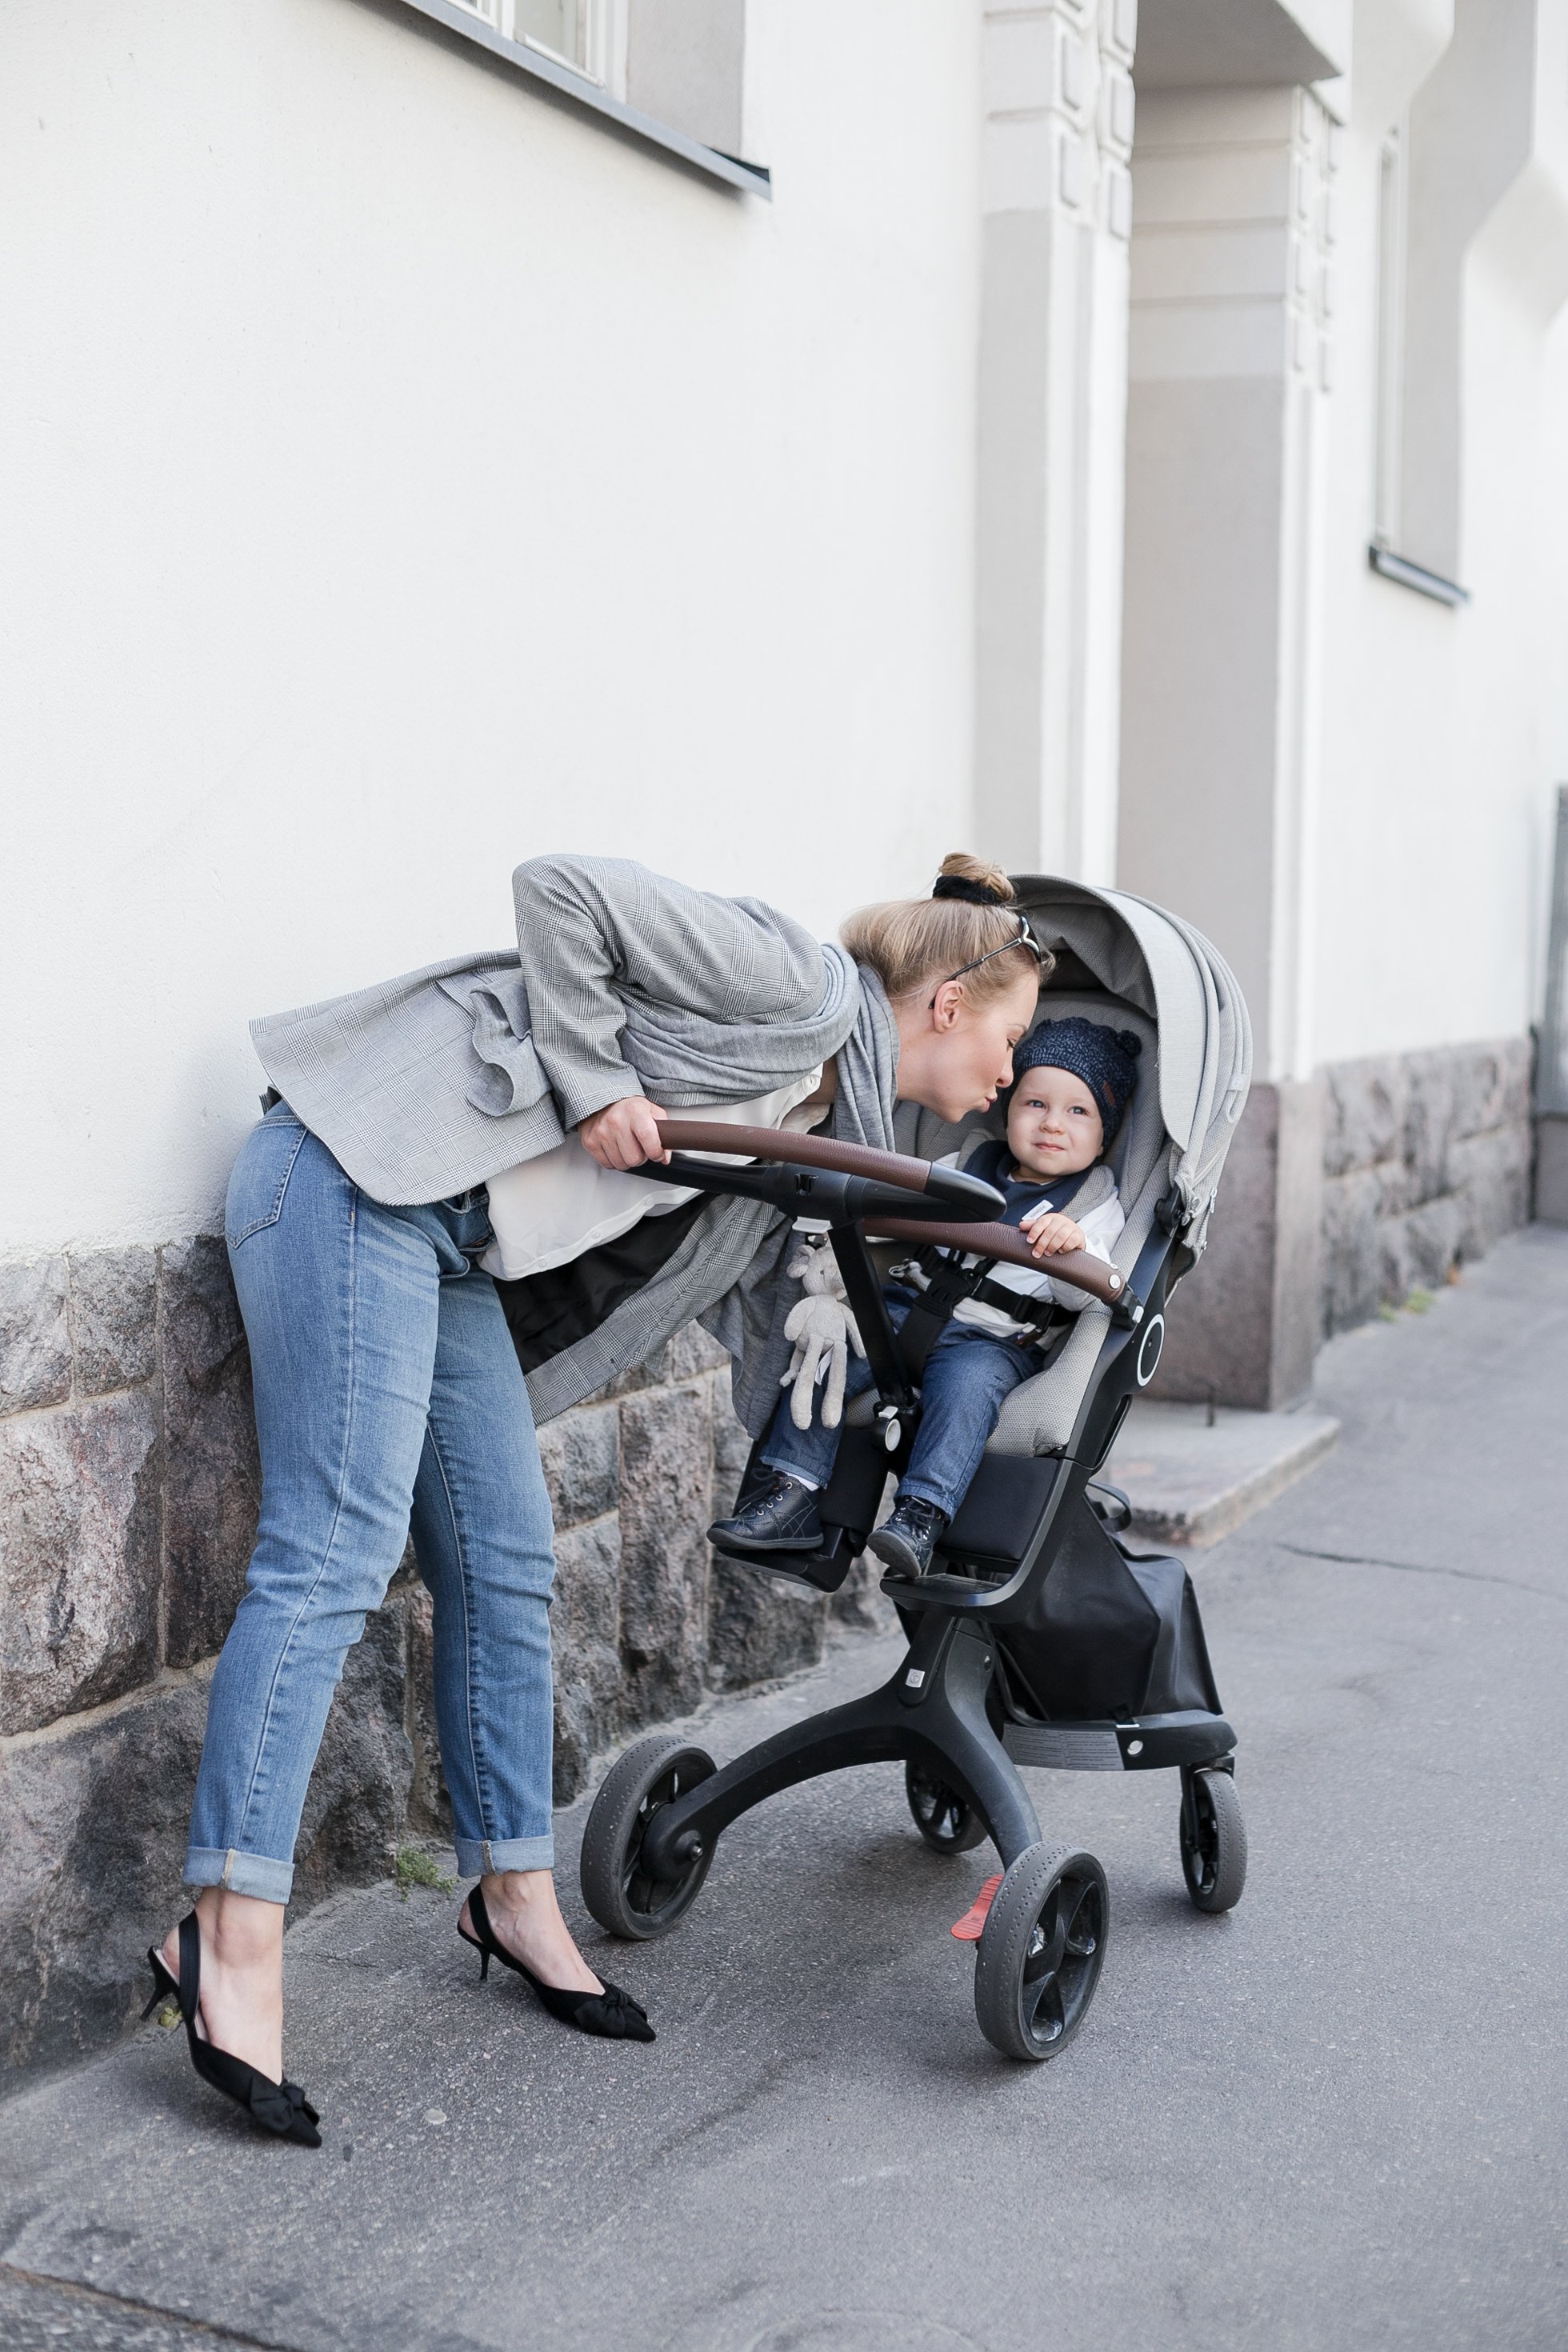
(1131, 964)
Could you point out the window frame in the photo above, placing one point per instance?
(537, 64)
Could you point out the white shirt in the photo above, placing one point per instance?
(549, 1210)
(1100, 1228)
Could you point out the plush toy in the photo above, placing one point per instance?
(823, 1331)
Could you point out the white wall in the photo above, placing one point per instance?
(1443, 732)
(399, 475)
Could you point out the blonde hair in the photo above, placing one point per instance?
(915, 943)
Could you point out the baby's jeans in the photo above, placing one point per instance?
(386, 1384)
(968, 1376)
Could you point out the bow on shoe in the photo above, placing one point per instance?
(619, 2011)
(279, 2106)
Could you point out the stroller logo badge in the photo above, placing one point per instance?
(1148, 1350)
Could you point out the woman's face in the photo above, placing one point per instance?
(955, 1056)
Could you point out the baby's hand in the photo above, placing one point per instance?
(1050, 1233)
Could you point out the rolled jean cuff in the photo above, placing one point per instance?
(484, 1857)
(241, 1873)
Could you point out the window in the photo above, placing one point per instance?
(1391, 233)
(589, 36)
(669, 72)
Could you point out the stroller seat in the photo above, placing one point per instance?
(1042, 1638)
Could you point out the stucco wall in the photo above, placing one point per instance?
(401, 474)
(1442, 731)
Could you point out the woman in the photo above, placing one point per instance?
(388, 1385)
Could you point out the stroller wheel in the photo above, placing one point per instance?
(621, 1895)
(1214, 1840)
(1040, 1951)
(948, 1822)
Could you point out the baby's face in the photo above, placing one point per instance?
(1054, 1127)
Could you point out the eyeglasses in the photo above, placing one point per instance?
(1025, 939)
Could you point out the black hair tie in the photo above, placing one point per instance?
(959, 885)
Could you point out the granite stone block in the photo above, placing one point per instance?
(94, 1821)
(1365, 1114)
(581, 1454)
(78, 1557)
(35, 1335)
(429, 1806)
(213, 1479)
(114, 1318)
(666, 1500)
(357, 1806)
(760, 1626)
(1427, 1158)
(1491, 1178)
(584, 1627)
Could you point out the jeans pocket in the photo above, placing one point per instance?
(260, 1178)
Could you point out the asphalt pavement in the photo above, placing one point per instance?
(1333, 2119)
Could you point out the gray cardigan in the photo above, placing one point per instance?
(623, 983)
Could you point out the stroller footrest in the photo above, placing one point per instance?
(1150, 1743)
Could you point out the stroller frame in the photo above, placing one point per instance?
(961, 1711)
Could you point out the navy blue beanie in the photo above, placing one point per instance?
(1105, 1059)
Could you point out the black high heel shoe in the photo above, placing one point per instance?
(280, 2108)
(612, 2013)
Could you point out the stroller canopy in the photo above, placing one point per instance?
(1112, 945)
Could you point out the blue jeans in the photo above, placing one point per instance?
(968, 1376)
(387, 1385)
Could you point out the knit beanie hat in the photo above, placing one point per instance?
(1105, 1059)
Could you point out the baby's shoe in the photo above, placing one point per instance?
(781, 1516)
(909, 1539)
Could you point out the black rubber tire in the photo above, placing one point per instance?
(947, 1822)
(1041, 1951)
(620, 1897)
(1215, 1867)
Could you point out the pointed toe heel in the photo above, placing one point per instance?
(280, 2108)
(612, 2013)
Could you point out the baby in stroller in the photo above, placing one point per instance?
(1073, 1081)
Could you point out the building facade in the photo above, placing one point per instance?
(779, 442)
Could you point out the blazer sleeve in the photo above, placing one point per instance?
(591, 931)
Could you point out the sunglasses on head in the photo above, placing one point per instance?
(1025, 939)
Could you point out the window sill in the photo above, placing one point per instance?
(1399, 568)
(535, 65)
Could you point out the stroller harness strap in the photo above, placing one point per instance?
(950, 1282)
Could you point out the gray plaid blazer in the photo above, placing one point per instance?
(622, 984)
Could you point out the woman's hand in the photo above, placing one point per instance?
(1050, 1233)
(624, 1134)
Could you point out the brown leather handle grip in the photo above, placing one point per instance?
(1078, 1266)
(802, 1150)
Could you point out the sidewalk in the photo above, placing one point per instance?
(1333, 2120)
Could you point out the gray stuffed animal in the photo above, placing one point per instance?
(823, 1331)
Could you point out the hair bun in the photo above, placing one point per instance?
(973, 878)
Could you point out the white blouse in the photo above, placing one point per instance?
(547, 1210)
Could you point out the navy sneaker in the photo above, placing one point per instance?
(909, 1539)
(780, 1517)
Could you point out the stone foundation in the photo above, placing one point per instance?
(1341, 1194)
(128, 1500)
(1426, 1162)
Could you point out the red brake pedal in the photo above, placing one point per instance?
(968, 1930)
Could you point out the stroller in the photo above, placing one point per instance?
(1038, 1637)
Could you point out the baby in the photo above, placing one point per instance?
(1073, 1081)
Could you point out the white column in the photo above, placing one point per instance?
(1057, 215)
(1230, 366)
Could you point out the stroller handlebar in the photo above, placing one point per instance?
(1079, 1267)
(974, 1204)
(965, 1196)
